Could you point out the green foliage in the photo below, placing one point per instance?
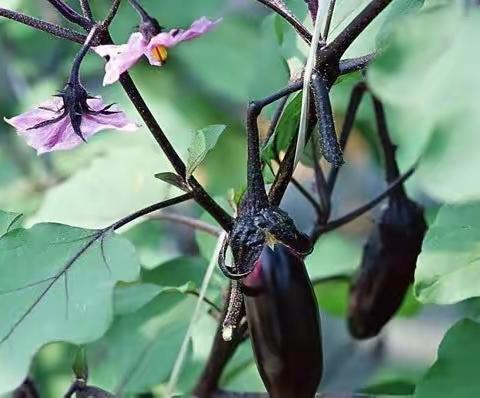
(130, 298)
(139, 349)
(454, 374)
(173, 179)
(374, 37)
(61, 287)
(203, 141)
(79, 286)
(425, 79)
(85, 199)
(448, 266)
(9, 221)
(286, 130)
(333, 255)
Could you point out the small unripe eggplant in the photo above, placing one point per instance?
(387, 268)
(284, 324)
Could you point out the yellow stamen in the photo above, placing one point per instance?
(159, 53)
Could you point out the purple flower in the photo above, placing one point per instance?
(49, 127)
(154, 47)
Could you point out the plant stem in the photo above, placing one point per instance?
(199, 194)
(328, 19)
(86, 9)
(350, 65)
(150, 209)
(391, 167)
(340, 44)
(75, 71)
(256, 196)
(331, 225)
(111, 14)
(44, 26)
(280, 8)
(70, 14)
(189, 222)
(352, 108)
(321, 185)
(222, 351)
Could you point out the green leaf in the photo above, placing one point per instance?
(183, 274)
(139, 350)
(177, 272)
(116, 184)
(448, 267)
(392, 388)
(203, 141)
(426, 79)
(57, 281)
(221, 66)
(333, 255)
(9, 221)
(241, 373)
(455, 372)
(375, 34)
(286, 130)
(173, 179)
(131, 298)
(153, 242)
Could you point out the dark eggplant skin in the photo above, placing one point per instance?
(284, 324)
(387, 269)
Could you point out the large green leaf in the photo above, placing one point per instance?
(427, 79)
(377, 32)
(119, 183)
(448, 268)
(139, 350)
(455, 373)
(223, 60)
(131, 298)
(56, 284)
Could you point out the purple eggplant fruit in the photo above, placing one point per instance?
(284, 324)
(387, 268)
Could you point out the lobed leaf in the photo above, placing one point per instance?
(56, 284)
(448, 268)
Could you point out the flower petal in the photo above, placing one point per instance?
(175, 36)
(60, 135)
(46, 111)
(122, 57)
(91, 124)
(51, 137)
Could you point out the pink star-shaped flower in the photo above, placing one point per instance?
(124, 56)
(47, 128)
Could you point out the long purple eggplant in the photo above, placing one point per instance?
(387, 268)
(284, 324)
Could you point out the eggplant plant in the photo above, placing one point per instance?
(134, 327)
